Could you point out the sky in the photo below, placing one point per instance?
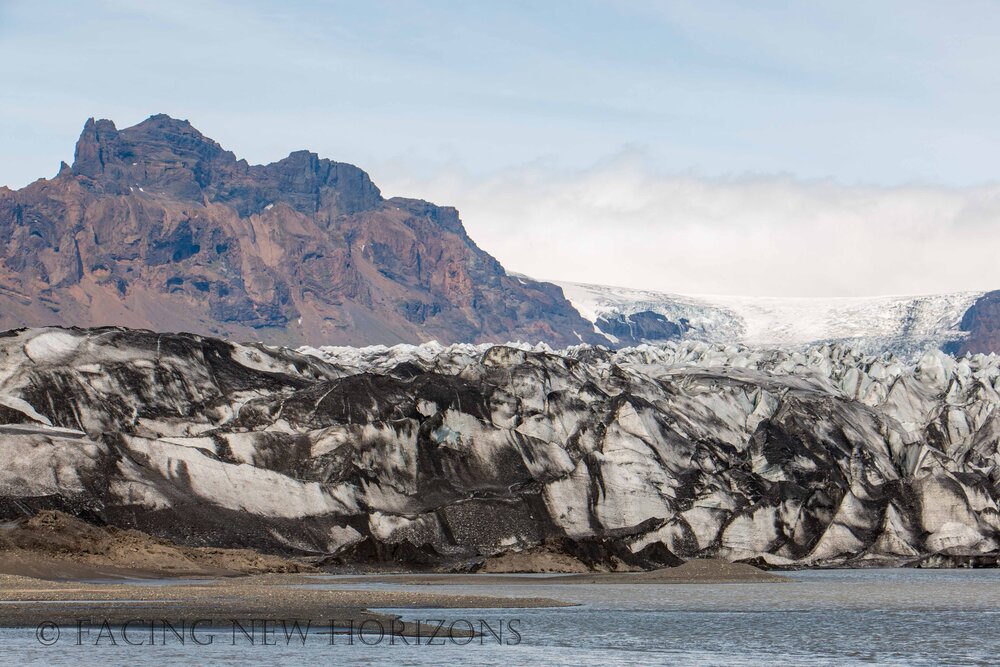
(774, 148)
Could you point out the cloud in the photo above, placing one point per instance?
(623, 222)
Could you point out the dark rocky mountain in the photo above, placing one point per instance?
(156, 226)
(438, 455)
(982, 322)
(641, 327)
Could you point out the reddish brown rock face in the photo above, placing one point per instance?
(156, 226)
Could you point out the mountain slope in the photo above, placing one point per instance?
(157, 226)
(898, 324)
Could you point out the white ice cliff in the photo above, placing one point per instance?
(813, 456)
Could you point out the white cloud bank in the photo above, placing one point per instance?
(622, 223)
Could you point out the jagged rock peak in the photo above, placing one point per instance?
(171, 156)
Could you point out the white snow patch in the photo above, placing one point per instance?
(52, 346)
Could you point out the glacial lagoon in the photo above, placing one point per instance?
(832, 617)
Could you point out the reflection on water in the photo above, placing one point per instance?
(883, 617)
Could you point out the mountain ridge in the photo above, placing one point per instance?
(156, 226)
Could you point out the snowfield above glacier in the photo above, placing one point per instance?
(904, 325)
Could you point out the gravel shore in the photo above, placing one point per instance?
(26, 601)
(697, 571)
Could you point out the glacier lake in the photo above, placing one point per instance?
(831, 617)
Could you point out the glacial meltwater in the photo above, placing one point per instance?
(837, 617)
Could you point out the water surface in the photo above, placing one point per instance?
(845, 617)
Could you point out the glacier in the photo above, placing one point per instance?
(903, 325)
(438, 455)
